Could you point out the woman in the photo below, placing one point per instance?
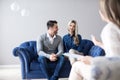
(110, 13)
(72, 40)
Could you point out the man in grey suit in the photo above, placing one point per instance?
(50, 49)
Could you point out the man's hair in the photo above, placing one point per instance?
(51, 23)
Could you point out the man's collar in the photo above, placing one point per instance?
(48, 35)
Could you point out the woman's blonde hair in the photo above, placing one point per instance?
(111, 10)
(75, 34)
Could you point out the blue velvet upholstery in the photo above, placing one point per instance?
(96, 51)
(86, 46)
(29, 59)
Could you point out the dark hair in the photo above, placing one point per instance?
(51, 23)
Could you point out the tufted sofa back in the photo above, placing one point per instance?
(86, 46)
(30, 46)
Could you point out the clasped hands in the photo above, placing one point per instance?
(53, 57)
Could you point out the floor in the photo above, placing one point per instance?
(14, 73)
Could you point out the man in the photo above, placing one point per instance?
(50, 49)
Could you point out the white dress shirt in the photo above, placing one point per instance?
(51, 39)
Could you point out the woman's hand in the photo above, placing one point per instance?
(86, 60)
(97, 42)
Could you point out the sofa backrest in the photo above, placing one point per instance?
(86, 46)
(30, 46)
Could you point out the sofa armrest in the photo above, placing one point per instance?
(96, 51)
(25, 59)
(105, 68)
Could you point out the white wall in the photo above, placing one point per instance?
(15, 28)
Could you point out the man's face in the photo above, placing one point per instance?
(54, 29)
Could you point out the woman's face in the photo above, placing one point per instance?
(71, 28)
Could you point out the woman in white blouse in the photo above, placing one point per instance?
(110, 35)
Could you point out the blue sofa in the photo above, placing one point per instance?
(30, 66)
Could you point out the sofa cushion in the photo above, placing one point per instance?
(35, 66)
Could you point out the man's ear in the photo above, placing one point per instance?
(50, 28)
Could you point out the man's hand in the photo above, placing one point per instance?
(53, 57)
